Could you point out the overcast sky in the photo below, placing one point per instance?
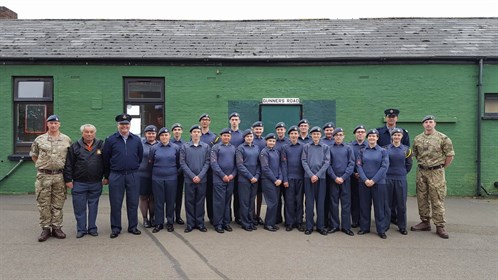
(248, 9)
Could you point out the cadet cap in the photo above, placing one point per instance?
(234, 114)
(373, 131)
(428, 117)
(391, 112)
(123, 118)
(162, 130)
(337, 130)
(315, 129)
(225, 131)
(292, 128)
(204, 116)
(302, 121)
(397, 130)
(328, 125)
(195, 126)
(151, 127)
(53, 118)
(246, 132)
(280, 124)
(175, 125)
(257, 124)
(270, 136)
(358, 127)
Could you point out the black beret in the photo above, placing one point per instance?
(123, 118)
(53, 118)
(428, 117)
(302, 121)
(257, 124)
(337, 130)
(315, 129)
(397, 130)
(175, 125)
(246, 132)
(358, 127)
(195, 126)
(151, 127)
(270, 136)
(234, 114)
(328, 125)
(205, 115)
(292, 128)
(162, 130)
(373, 131)
(225, 131)
(280, 124)
(391, 112)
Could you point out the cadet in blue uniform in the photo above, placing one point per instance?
(293, 174)
(259, 141)
(304, 126)
(328, 139)
(316, 160)
(146, 203)
(247, 160)
(281, 141)
(357, 144)
(391, 117)
(328, 129)
(224, 172)
(209, 138)
(372, 164)
(122, 154)
(400, 163)
(177, 131)
(236, 140)
(271, 176)
(194, 161)
(164, 164)
(340, 169)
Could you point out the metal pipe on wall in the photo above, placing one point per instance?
(479, 123)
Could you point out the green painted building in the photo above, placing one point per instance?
(161, 72)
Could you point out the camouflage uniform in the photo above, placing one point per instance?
(50, 188)
(431, 152)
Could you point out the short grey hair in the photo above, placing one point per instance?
(87, 125)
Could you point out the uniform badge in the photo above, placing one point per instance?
(99, 152)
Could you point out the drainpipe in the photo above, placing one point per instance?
(479, 123)
(12, 170)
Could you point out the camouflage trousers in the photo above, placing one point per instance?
(431, 192)
(50, 198)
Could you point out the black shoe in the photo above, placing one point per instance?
(300, 227)
(249, 228)
(80, 234)
(260, 221)
(180, 221)
(288, 228)
(394, 221)
(323, 231)
(361, 232)
(227, 228)
(157, 228)
(188, 229)
(134, 231)
(332, 230)
(219, 230)
(254, 227)
(270, 228)
(238, 221)
(114, 234)
(348, 232)
(147, 223)
(170, 228)
(203, 229)
(308, 231)
(354, 225)
(382, 235)
(276, 227)
(94, 233)
(403, 231)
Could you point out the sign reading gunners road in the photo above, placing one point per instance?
(280, 101)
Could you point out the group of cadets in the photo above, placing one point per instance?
(304, 173)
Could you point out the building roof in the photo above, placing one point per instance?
(265, 40)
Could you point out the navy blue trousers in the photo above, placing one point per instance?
(222, 202)
(377, 195)
(355, 200)
(86, 197)
(315, 194)
(271, 194)
(179, 195)
(247, 194)
(396, 196)
(209, 194)
(294, 202)
(340, 193)
(195, 195)
(164, 193)
(119, 183)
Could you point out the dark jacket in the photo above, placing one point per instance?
(121, 156)
(83, 165)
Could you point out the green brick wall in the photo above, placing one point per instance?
(359, 93)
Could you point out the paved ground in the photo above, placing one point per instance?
(470, 253)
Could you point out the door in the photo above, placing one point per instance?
(271, 114)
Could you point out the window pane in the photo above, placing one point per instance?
(30, 89)
(144, 90)
(145, 114)
(491, 104)
(30, 122)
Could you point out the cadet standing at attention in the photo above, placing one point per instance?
(358, 144)
(177, 131)
(209, 138)
(48, 152)
(236, 140)
(146, 202)
(259, 141)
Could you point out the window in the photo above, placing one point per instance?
(33, 103)
(144, 101)
(491, 105)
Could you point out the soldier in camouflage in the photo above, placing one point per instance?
(49, 152)
(434, 153)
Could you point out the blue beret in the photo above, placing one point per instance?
(428, 117)
(358, 127)
(195, 126)
(225, 131)
(328, 125)
(234, 114)
(302, 121)
(205, 115)
(391, 112)
(123, 118)
(292, 128)
(280, 124)
(373, 131)
(270, 136)
(337, 130)
(175, 125)
(257, 124)
(397, 130)
(53, 118)
(162, 130)
(246, 132)
(315, 129)
(151, 127)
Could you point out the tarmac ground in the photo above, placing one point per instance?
(471, 252)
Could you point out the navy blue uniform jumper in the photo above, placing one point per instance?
(316, 160)
(223, 164)
(236, 140)
(194, 161)
(164, 162)
(400, 163)
(122, 157)
(209, 138)
(385, 136)
(341, 166)
(281, 142)
(144, 171)
(270, 172)
(247, 161)
(372, 163)
(259, 142)
(293, 174)
(355, 197)
(305, 140)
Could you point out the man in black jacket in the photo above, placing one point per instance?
(83, 173)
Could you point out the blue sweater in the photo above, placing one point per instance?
(259, 142)
(237, 138)
(315, 160)
(292, 168)
(144, 170)
(247, 160)
(372, 163)
(121, 156)
(194, 161)
(281, 142)
(270, 164)
(356, 150)
(164, 161)
(400, 162)
(223, 162)
(342, 161)
(327, 141)
(209, 138)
